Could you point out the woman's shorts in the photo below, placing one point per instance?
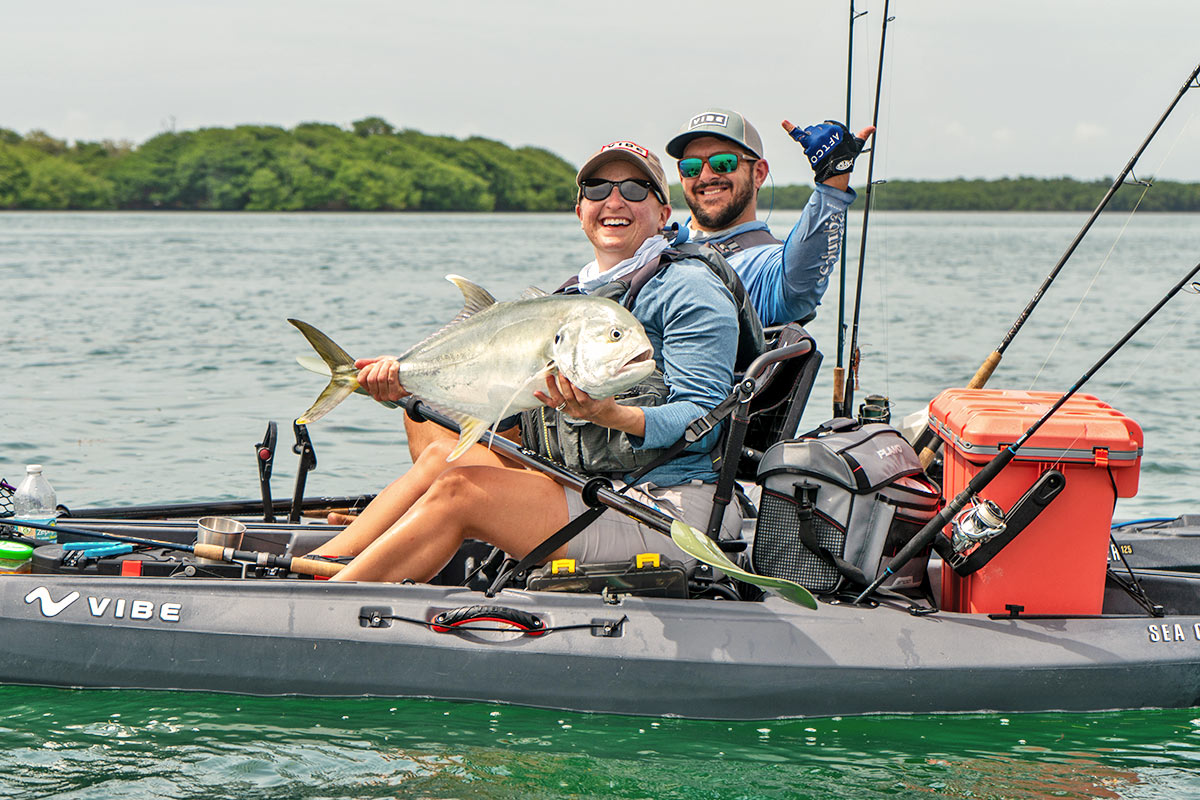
(616, 537)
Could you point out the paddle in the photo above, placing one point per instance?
(699, 546)
(301, 566)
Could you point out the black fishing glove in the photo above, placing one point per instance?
(830, 147)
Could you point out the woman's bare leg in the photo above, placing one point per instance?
(391, 503)
(513, 509)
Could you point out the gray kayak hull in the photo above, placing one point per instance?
(688, 658)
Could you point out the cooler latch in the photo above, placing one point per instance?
(1100, 454)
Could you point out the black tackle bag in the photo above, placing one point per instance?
(837, 503)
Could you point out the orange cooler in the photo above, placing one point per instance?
(1057, 564)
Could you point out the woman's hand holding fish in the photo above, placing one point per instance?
(380, 378)
(564, 396)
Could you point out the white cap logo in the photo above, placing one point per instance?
(709, 118)
(630, 146)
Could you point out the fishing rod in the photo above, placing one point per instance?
(990, 470)
(301, 566)
(843, 390)
(839, 369)
(219, 508)
(927, 442)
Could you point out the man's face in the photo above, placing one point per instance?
(718, 200)
(615, 226)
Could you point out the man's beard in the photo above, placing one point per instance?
(742, 195)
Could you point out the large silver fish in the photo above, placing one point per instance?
(487, 363)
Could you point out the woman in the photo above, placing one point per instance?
(418, 523)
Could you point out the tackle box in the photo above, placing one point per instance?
(1057, 565)
(644, 575)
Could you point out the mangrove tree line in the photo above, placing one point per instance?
(372, 166)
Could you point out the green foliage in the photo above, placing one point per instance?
(1006, 194)
(373, 166)
(54, 183)
(315, 166)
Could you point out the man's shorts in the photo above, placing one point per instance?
(616, 537)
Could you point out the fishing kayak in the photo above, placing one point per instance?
(174, 623)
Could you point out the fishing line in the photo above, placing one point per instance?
(1119, 391)
(1091, 284)
(1146, 185)
(885, 242)
(843, 400)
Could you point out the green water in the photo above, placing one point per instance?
(103, 744)
(145, 353)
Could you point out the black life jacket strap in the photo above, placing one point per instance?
(743, 241)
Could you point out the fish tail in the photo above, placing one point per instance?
(343, 377)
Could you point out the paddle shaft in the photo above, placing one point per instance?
(927, 443)
(927, 534)
(606, 495)
(301, 566)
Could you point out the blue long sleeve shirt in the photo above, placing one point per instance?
(691, 321)
(786, 282)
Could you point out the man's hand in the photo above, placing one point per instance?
(831, 149)
(380, 378)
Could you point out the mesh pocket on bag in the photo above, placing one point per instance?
(779, 553)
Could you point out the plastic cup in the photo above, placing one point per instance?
(220, 531)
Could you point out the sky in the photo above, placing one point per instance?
(970, 89)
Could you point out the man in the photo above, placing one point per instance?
(416, 525)
(721, 168)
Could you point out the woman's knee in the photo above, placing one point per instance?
(458, 485)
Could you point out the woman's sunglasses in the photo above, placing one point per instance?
(632, 189)
(721, 163)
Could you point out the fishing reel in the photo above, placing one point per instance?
(875, 408)
(975, 525)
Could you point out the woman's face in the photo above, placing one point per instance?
(615, 226)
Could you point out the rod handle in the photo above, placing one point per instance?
(315, 566)
(927, 454)
(985, 370)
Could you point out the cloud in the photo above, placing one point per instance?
(1086, 132)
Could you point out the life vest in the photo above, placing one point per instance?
(594, 449)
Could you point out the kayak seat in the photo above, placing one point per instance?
(779, 402)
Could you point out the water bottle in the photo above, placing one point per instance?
(35, 501)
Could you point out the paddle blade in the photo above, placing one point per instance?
(699, 546)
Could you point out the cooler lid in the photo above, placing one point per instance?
(980, 422)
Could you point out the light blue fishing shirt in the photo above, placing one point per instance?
(691, 321)
(785, 282)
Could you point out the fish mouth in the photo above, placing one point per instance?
(638, 360)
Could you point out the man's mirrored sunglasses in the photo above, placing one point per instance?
(721, 163)
(632, 189)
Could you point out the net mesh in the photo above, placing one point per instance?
(6, 498)
(779, 553)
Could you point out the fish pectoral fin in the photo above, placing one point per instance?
(472, 429)
(534, 379)
(337, 391)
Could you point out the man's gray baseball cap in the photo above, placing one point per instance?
(719, 122)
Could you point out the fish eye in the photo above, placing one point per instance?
(615, 334)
